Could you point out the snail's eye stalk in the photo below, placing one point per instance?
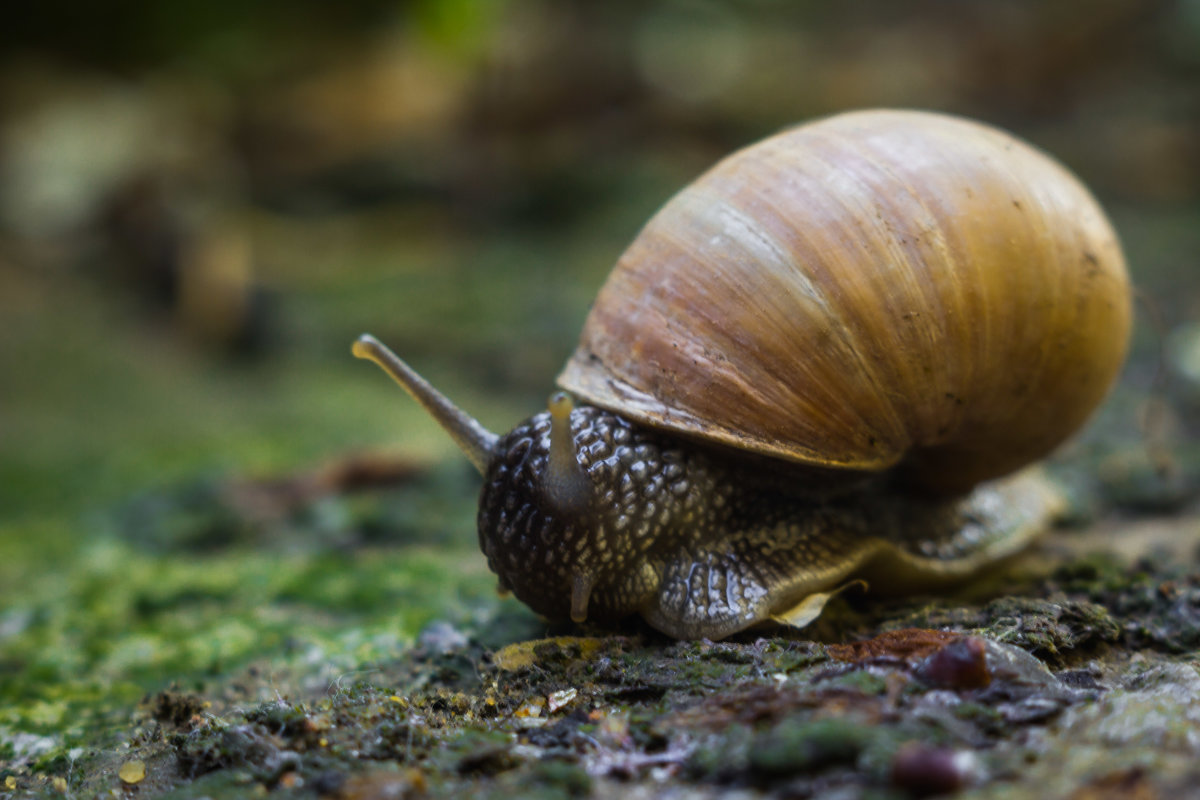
(566, 484)
(568, 490)
(476, 441)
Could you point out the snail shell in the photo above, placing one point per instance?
(805, 365)
(873, 290)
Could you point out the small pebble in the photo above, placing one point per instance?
(442, 638)
(560, 699)
(132, 772)
(961, 664)
(924, 770)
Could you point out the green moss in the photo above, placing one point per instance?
(569, 778)
(121, 623)
(1049, 628)
(858, 680)
(721, 757)
(801, 745)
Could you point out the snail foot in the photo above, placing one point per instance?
(707, 596)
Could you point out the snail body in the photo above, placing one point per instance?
(819, 358)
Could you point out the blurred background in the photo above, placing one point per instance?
(203, 203)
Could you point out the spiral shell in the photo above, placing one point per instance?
(872, 290)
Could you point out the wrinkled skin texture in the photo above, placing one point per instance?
(687, 538)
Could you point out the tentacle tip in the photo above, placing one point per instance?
(560, 405)
(365, 346)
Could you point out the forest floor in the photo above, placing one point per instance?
(171, 660)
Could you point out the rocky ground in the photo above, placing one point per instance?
(1071, 672)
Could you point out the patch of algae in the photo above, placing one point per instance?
(80, 648)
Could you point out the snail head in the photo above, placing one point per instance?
(541, 524)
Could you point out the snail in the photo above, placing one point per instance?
(833, 354)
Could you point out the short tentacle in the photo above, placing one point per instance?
(581, 592)
(566, 483)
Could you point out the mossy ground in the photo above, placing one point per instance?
(272, 665)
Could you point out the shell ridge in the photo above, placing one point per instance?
(638, 405)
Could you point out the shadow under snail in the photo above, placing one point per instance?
(819, 360)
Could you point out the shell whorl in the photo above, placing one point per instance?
(871, 289)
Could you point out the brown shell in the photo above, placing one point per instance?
(869, 289)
